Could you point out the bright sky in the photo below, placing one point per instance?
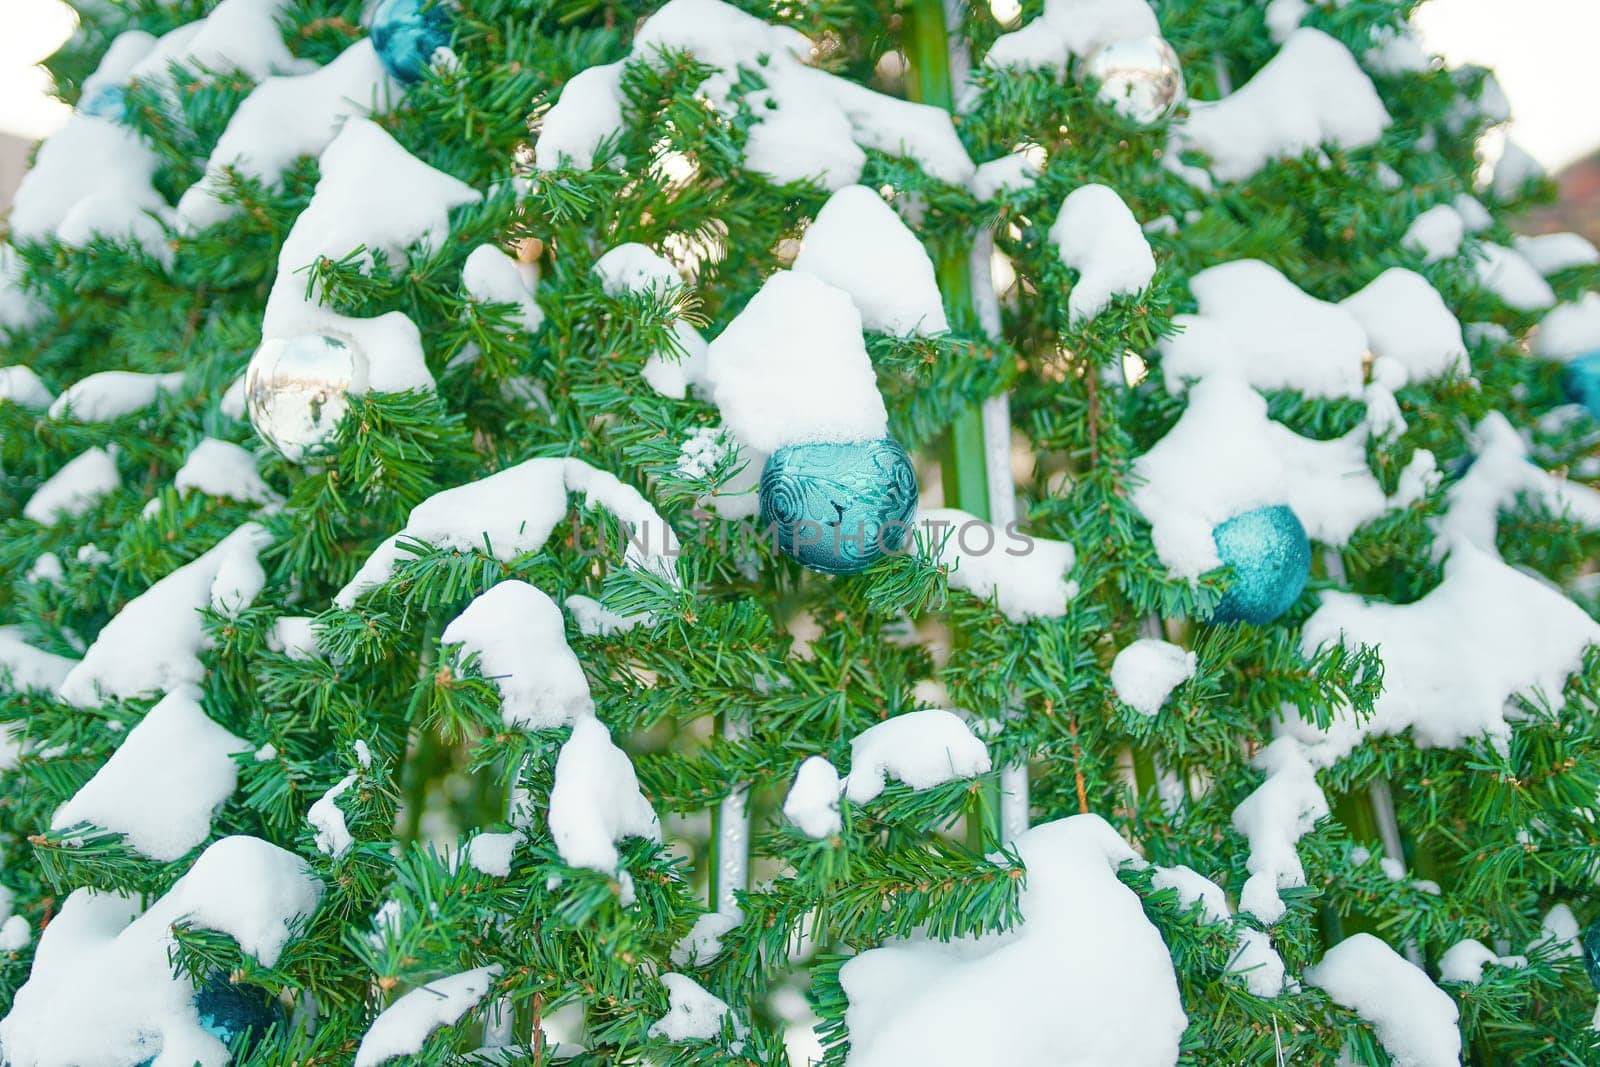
(1543, 50)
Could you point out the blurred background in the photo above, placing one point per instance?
(1542, 50)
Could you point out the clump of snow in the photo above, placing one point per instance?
(492, 277)
(284, 117)
(80, 484)
(1500, 473)
(1259, 964)
(858, 244)
(242, 35)
(19, 385)
(594, 619)
(1282, 809)
(1013, 171)
(513, 512)
(596, 800)
(1437, 233)
(792, 367)
(1225, 456)
(112, 394)
(327, 819)
(1026, 575)
(164, 782)
(519, 637)
(25, 667)
(1465, 960)
(812, 125)
(1406, 321)
(92, 177)
(1311, 94)
(1560, 936)
(1552, 253)
(99, 950)
(1146, 672)
(1096, 235)
(813, 800)
(921, 748)
(1193, 888)
(1513, 279)
(1254, 959)
(153, 644)
(1256, 324)
(1414, 1019)
(15, 934)
(1450, 663)
(1068, 28)
(1513, 171)
(692, 1013)
(1570, 329)
(294, 636)
(1082, 980)
(404, 1025)
(223, 469)
(702, 450)
(703, 942)
(635, 268)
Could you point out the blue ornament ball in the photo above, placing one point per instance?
(839, 507)
(229, 1012)
(106, 102)
(1271, 559)
(1582, 381)
(406, 33)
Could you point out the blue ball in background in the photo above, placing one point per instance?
(106, 102)
(839, 507)
(1271, 559)
(1581, 378)
(406, 33)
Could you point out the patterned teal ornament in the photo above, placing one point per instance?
(1582, 380)
(838, 508)
(1271, 559)
(406, 33)
(1591, 953)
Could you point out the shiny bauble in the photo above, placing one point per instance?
(1581, 379)
(407, 33)
(1271, 559)
(839, 507)
(1140, 77)
(296, 390)
(107, 102)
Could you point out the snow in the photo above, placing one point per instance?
(1455, 657)
(1570, 329)
(1225, 457)
(702, 450)
(1096, 235)
(126, 51)
(240, 35)
(1258, 963)
(1193, 888)
(21, 386)
(223, 469)
(1068, 28)
(404, 1025)
(792, 367)
(1311, 94)
(813, 800)
(91, 176)
(1552, 253)
(1500, 473)
(1083, 980)
(81, 483)
(1513, 279)
(15, 934)
(1146, 672)
(1256, 324)
(1282, 809)
(99, 950)
(1406, 321)
(596, 801)
(513, 512)
(294, 636)
(1414, 1019)
(492, 277)
(153, 644)
(374, 195)
(25, 667)
(112, 394)
(692, 1013)
(285, 117)
(636, 268)
(519, 637)
(920, 748)
(1437, 233)
(1026, 575)
(1560, 936)
(327, 819)
(594, 619)
(812, 125)
(703, 942)
(859, 245)
(491, 853)
(164, 783)
(1012, 172)
(1513, 171)
(1465, 960)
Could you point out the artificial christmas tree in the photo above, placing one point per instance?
(467, 599)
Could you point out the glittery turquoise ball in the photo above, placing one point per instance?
(406, 33)
(1582, 381)
(1271, 559)
(1591, 953)
(838, 508)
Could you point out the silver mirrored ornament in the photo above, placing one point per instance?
(1140, 77)
(296, 390)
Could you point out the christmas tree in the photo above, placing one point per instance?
(698, 532)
